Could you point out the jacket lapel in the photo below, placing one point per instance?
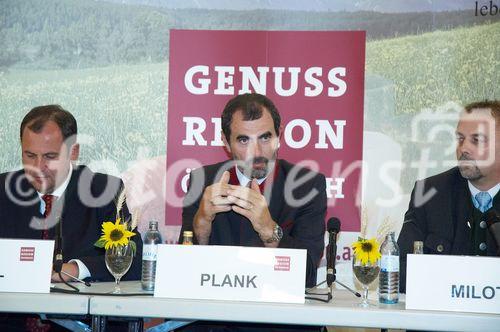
(30, 219)
(462, 210)
(275, 194)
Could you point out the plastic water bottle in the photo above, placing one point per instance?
(149, 251)
(187, 238)
(389, 271)
(418, 247)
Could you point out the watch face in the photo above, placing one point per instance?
(278, 232)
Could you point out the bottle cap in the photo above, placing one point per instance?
(418, 247)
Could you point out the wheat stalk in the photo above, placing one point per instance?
(120, 202)
(387, 225)
(364, 222)
(135, 219)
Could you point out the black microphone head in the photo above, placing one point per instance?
(492, 217)
(333, 225)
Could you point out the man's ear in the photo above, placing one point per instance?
(280, 134)
(226, 143)
(75, 152)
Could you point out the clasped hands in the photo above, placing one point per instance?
(223, 197)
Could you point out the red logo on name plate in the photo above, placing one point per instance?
(27, 254)
(282, 263)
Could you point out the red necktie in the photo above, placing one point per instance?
(48, 199)
(35, 324)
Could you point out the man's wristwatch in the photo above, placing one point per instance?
(277, 235)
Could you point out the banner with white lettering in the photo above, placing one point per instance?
(315, 79)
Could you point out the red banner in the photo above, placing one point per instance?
(315, 79)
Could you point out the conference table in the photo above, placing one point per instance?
(342, 311)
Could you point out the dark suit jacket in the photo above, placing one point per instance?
(303, 226)
(88, 201)
(441, 222)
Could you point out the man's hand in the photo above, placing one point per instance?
(69, 268)
(249, 202)
(213, 201)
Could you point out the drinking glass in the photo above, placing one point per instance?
(365, 273)
(118, 261)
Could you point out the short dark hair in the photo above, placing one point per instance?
(252, 105)
(36, 119)
(493, 105)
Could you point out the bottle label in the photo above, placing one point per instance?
(149, 252)
(389, 264)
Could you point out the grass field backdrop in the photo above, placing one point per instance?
(121, 110)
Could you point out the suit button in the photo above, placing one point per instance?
(482, 246)
(482, 224)
(440, 248)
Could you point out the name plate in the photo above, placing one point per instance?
(453, 283)
(231, 273)
(25, 265)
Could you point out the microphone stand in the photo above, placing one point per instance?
(330, 291)
(346, 287)
(333, 227)
(58, 259)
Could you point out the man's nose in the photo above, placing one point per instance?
(40, 163)
(464, 147)
(255, 150)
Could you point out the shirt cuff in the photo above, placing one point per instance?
(83, 271)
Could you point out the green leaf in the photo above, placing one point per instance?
(134, 247)
(100, 243)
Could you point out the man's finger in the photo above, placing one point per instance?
(218, 200)
(240, 202)
(255, 185)
(245, 193)
(225, 177)
(222, 208)
(219, 189)
(242, 211)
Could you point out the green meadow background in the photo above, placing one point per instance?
(107, 63)
(118, 89)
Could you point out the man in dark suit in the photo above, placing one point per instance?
(453, 220)
(50, 195)
(255, 199)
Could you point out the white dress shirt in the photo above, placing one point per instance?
(474, 191)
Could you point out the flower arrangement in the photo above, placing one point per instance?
(118, 233)
(366, 250)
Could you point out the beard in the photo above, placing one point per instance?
(251, 171)
(468, 168)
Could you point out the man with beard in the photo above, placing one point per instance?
(245, 201)
(452, 220)
(256, 199)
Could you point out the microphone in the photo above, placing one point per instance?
(493, 222)
(59, 258)
(58, 250)
(333, 227)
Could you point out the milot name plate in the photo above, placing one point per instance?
(231, 273)
(453, 283)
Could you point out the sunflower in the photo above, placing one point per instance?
(114, 235)
(366, 250)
